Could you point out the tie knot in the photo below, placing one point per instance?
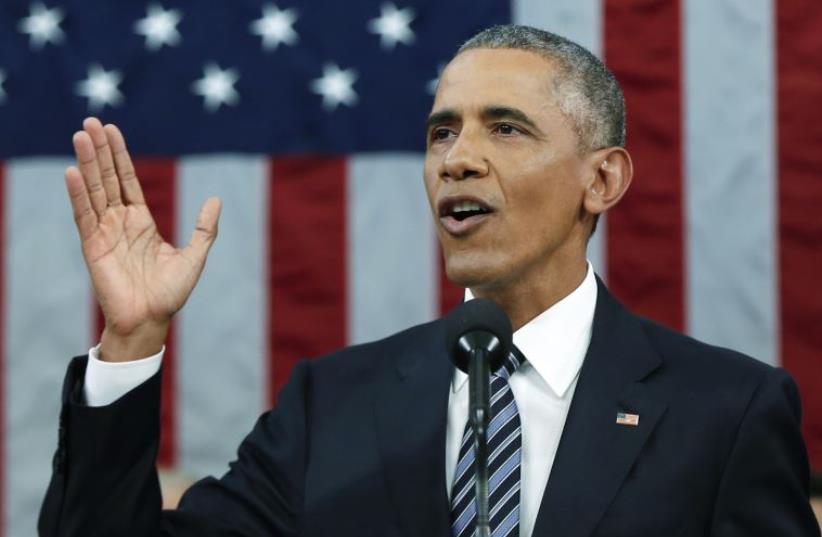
(514, 359)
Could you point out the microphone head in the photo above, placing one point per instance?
(478, 323)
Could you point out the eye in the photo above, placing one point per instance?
(506, 129)
(440, 133)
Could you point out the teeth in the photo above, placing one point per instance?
(464, 206)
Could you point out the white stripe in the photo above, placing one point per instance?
(509, 465)
(505, 443)
(221, 361)
(507, 525)
(578, 20)
(392, 267)
(48, 314)
(469, 484)
(581, 22)
(464, 518)
(501, 503)
(597, 248)
(498, 395)
(730, 175)
(494, 429)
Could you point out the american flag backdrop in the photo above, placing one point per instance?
(307, 119)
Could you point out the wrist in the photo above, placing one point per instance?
(141, 342)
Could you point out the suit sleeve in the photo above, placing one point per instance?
(104, 481)
(764, 488)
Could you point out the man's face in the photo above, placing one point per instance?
(497, 142)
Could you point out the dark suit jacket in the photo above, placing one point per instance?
(356, 447)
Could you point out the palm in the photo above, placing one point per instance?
(139, 278)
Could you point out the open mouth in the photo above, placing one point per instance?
(463, 209)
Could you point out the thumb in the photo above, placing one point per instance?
(205, 232)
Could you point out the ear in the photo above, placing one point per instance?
(611, 171)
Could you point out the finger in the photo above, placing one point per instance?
(84, 215)
(87, 161)
(105, 161)
(205, 231)
(129, 184)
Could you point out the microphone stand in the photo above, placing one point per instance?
(479, 413)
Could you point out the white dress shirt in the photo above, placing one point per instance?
(554, 342)
(105, 382)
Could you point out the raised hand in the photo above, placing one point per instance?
(140, 280)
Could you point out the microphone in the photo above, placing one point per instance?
(478, 339)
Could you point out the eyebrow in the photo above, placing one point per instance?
(450, 115)
(507, 112)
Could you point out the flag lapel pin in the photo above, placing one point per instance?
(627, 419)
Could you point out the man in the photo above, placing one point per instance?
(603, 423)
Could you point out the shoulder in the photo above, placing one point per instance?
(727, 395)
(723, 376)
(681, 350)
(682, 364)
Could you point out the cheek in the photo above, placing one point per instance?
(431, 183)
(544, 200)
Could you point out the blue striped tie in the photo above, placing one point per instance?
(505, 447)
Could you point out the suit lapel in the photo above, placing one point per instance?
(595, 453)
(411, 412)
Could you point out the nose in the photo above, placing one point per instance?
(464, 159)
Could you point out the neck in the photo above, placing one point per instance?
(527, 297)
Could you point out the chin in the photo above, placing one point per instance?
(468, 271)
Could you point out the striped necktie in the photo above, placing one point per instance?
(504, 448)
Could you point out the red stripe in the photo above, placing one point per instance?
(645, 243)
(158, 179)
(450, 294)
(307, 261)
(799, 94)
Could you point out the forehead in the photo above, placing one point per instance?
(477, 77)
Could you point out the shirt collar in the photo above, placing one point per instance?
(555, 341)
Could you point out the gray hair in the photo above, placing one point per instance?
(586, 91)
